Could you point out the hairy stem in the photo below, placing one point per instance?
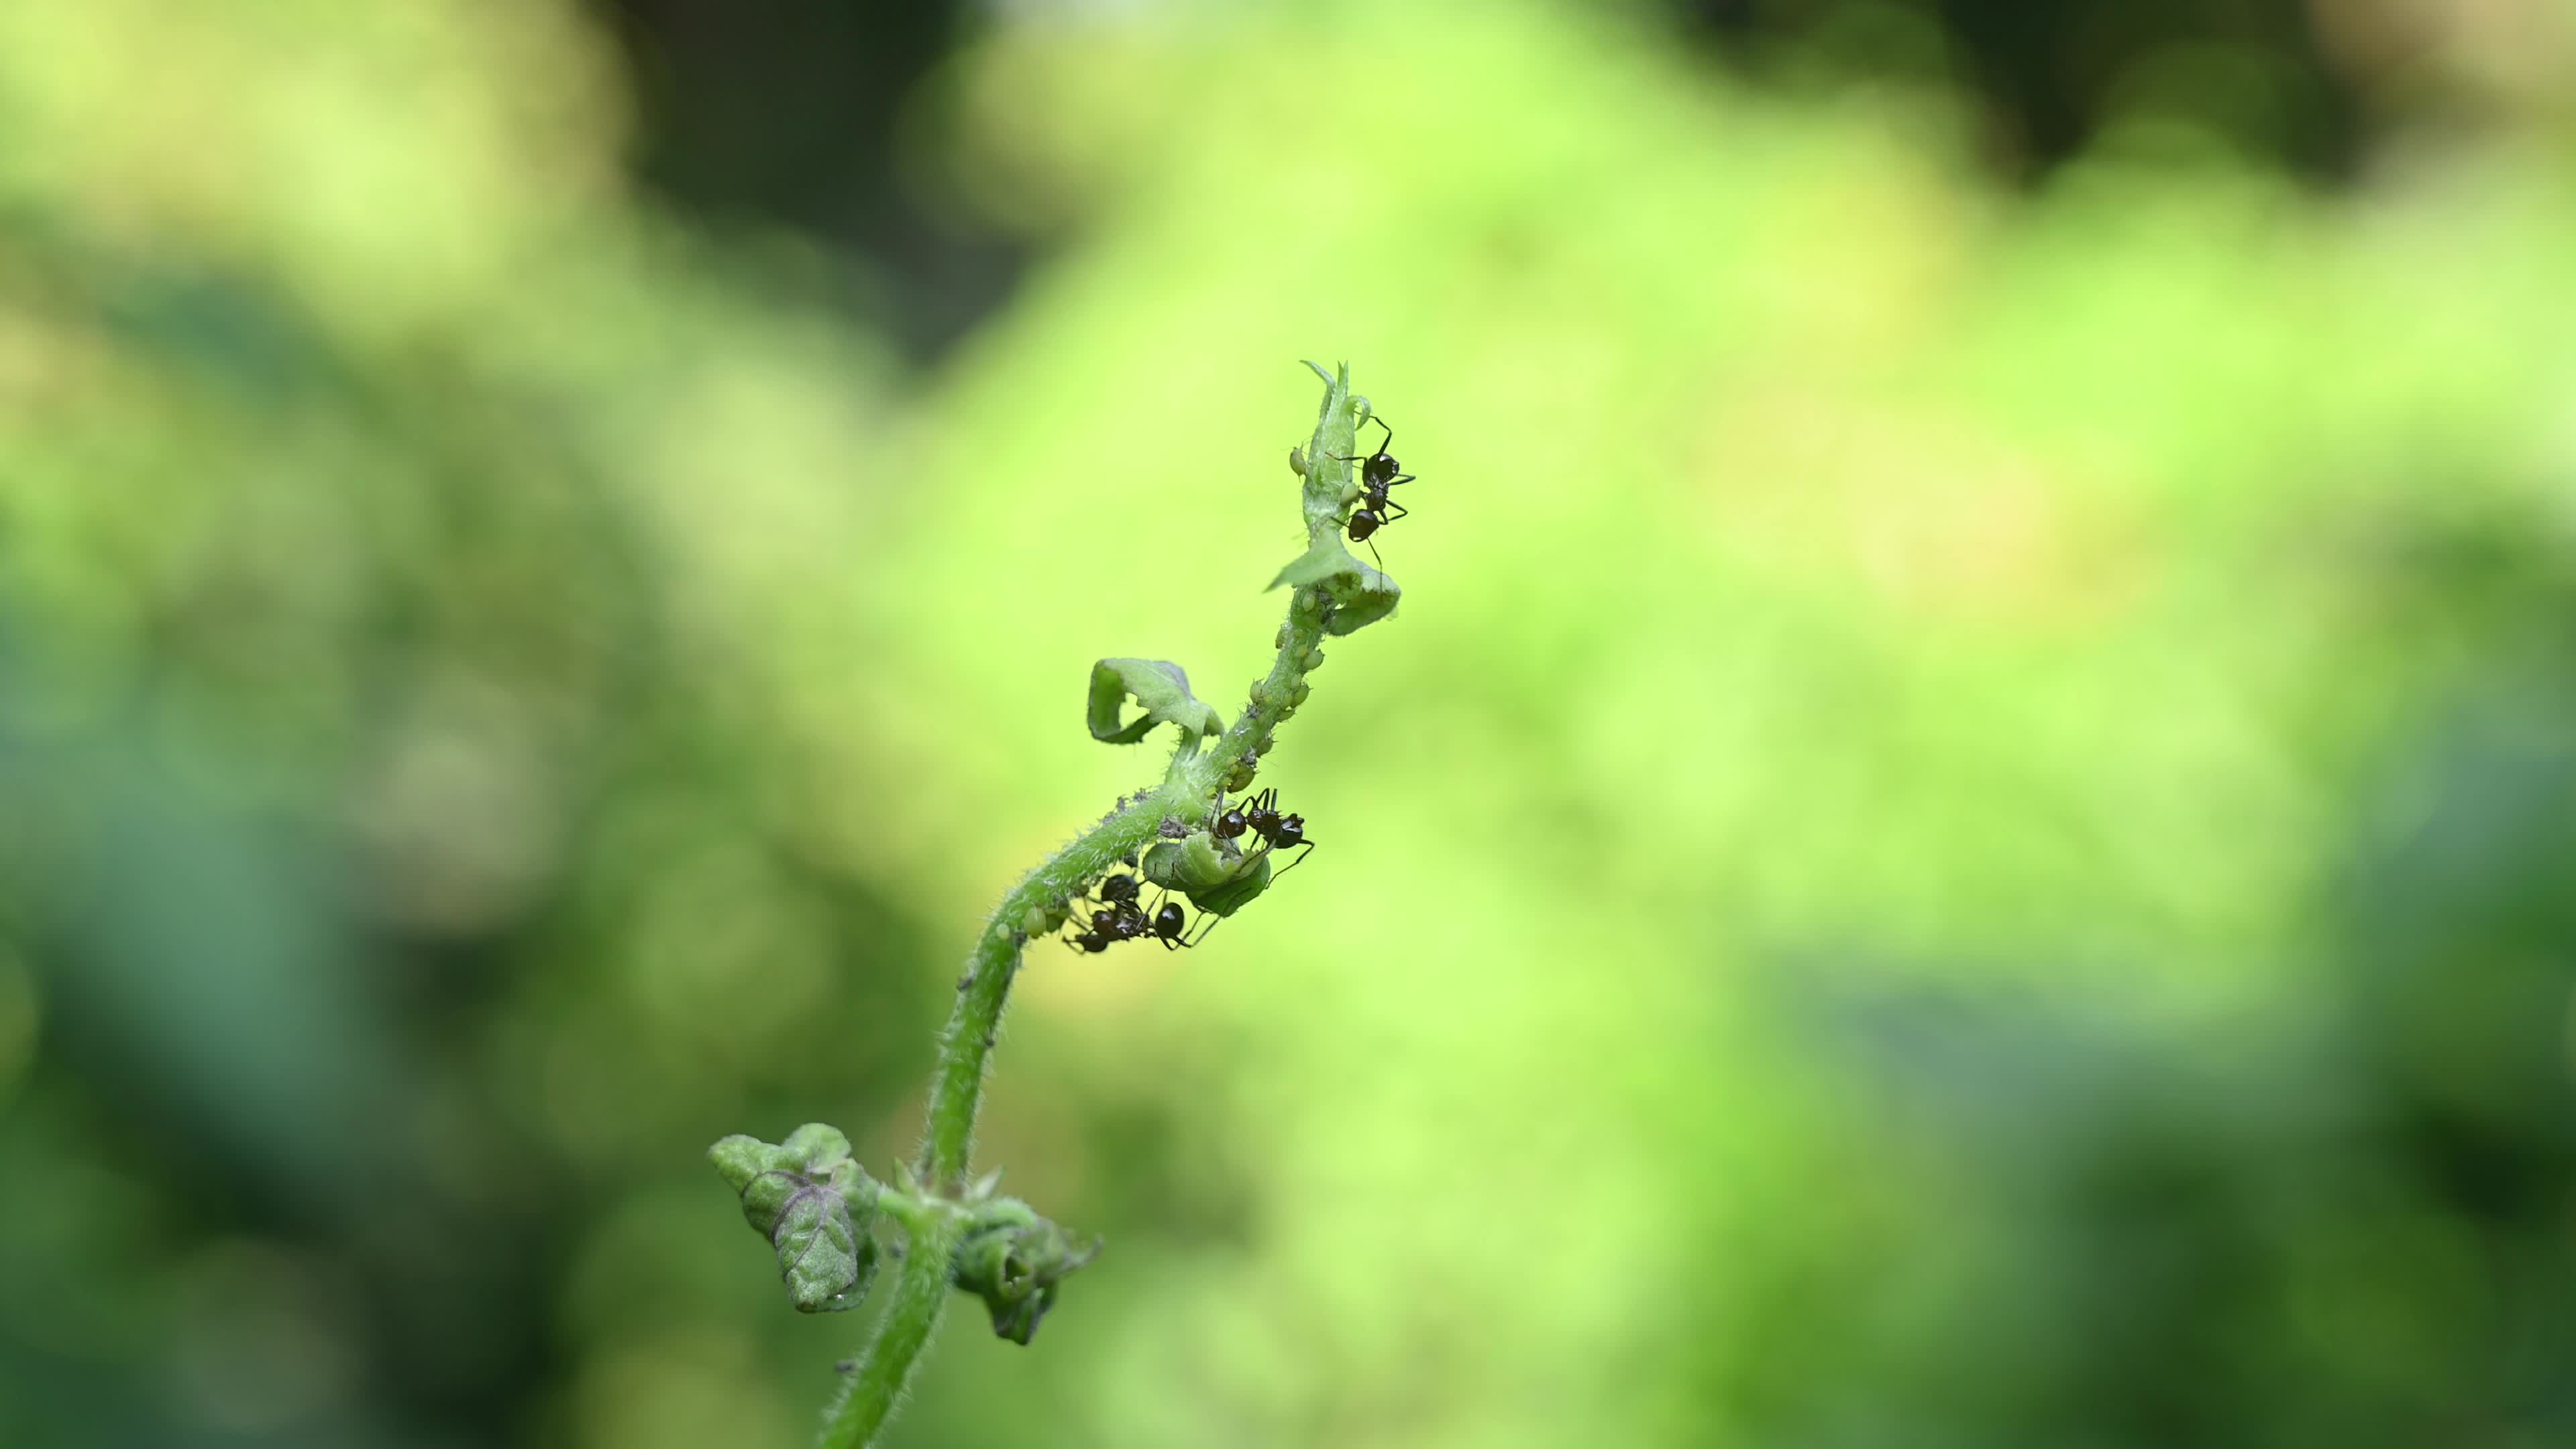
(871, 1392)
(957, 1083)
(1187, 795)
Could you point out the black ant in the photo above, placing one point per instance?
(1378, 472)
(1121, 921)
(1261, 816)
(1277, 831)
(1121, 918)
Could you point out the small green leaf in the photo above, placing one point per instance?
(1200, 868)
(1359, 595)
(1197, 864)
(1359, 600)
(1323, 561)
(1232, 894)
(814, 1204)
(823, 1256)
(741, 1158)
(1013, 1259)
(1205, 864)
(815, 1149)
(1159, 686)
(1162, 865)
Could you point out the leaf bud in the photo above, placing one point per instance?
(814, 1204)
(1013, 1259)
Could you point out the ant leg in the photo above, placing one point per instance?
(1304, 848)
(1207, 924)
(1372, 548)
(1400, 509)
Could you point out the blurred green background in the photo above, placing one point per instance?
(1967, 835)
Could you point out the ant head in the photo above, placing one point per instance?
(1291, 830)
(1092, 942)
(1379, 469)
(1118, 888)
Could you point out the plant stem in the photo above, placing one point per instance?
(870, 1393)
(957, 1083)
(1187, 795)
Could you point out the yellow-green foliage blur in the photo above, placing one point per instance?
(1966, 836)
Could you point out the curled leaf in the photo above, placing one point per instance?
(814, 1204)
(1323, 561)
(1159, 686)
(815, 1148)
(823, 1257)
(1356, 595)
(1013, 1259)
(1359, 599)
(1235, 892)
(1216, 878)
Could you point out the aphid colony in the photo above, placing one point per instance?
(1208, 866)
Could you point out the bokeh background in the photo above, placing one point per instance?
(1966, 837)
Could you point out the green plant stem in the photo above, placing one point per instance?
(1186, 796)
(957, 1083)
(871, 1392)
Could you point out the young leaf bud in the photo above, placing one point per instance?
(1013, 1259)
(814, 1204)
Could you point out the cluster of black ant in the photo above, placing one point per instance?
(1118, 911)
(1378, 472)
(1262, 817)
(1120, 917)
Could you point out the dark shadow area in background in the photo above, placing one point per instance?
(789, 113)
(2048, 73)
(2344, 1220)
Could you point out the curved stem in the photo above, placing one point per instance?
(957, 1083)
(1187, 795)
(870, 1393)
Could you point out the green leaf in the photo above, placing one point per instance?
(1232, 894)
(814, 1204)
(1199, 866)
(815, 1149)
(1159, 686)
(824, 1258)
(1323, 561)
(1162, 865)
(1359, 595)
(1013, 1259)
(1359, 600)
(741, 1158)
